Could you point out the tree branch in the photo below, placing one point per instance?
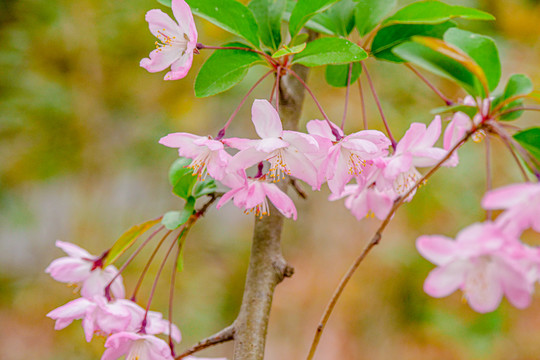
(267, 267)
(224, 335)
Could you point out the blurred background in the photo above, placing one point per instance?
(79, 125)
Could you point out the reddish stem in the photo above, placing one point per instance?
(272, 61)
(349, 75)
(394, 143)
(430, 85)
(362, 103)
(221, 132)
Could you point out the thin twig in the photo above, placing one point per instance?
(221, 132)
(489, 184)
(372, 87)
(516, 159)
(523, 108)
(362, 103)
(224, 335)
(374, 241)
(147, 266)
(128, 261)
(430, 85)
(349, 75)
(334, 131)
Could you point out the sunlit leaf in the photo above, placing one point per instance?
(326, 51)
(174, 219)
(482, 49)
(204, 188)
(224, 69)
(289, 51)
(434, 12)
(305, 10)
(268, 15)
(127, 239)
(391, 36)
(229, 15)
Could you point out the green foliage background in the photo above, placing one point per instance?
(79, 124)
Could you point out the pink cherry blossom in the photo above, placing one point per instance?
(176, 41)
(347, 157)
(209, 155)
(136, 346)
(252, 195)
(86, 270)
(484, 262)
(98, 316)
(285, 150)
(521, 203)
(414, 150)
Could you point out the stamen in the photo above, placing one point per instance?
(278, 168)
(356, 164)
(200, 165)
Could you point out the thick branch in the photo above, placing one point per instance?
(267, 267)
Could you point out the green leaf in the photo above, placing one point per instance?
(518, 84)
(305, 10)
(481, 49)
(299, 39)
(229, 15)
(165, 2)
(340, 17)
(469, 110)
(204, 188)
(530, 140)
(181, 178)
(391, 36)
(326, 51)
(452, 65)
(268, 16)
(338, 75)
(174, 219)
(369, 13)
(434, 12)
(289, 51)
(127, 239)
(223, 70)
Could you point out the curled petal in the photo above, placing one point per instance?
(266, 119)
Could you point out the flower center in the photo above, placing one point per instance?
(166, 40)
(200, 164)
(406, 180)
(356, 164)
(260, 210)
(278, 168)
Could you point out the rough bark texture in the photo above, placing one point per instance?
(267, 267)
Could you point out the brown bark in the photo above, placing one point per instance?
(267, 267)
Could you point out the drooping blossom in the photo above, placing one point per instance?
(363, 199)
(347, 157)
(136, 347)
(209, 155)
(86, 270)
(105, 318)
(176, 41)
(285, 150)
(521, 203)
(414, 150)
(484, 262)
(252, 195)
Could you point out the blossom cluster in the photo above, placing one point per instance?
(487, 260)
(130, 330)
(322, 155)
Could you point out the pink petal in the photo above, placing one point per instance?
(515, 284)
(301, 167)
(266, 119)
(322, 129)
(456, 129)
(183, 15)
(245, 159)
(412, 136)
(69, 270)
(73, 310)
(280, 200)
(161, 58)
(444, 280)
(482, 288)
(161, 23)
(440, 250)
(73, 250)
(432, 134)
(268, 145)
(180, 67)
(428, 156)
(380, 203)
(239, 143)
(303, 142)
(118, 345)
(358, 205)
(508, 196)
